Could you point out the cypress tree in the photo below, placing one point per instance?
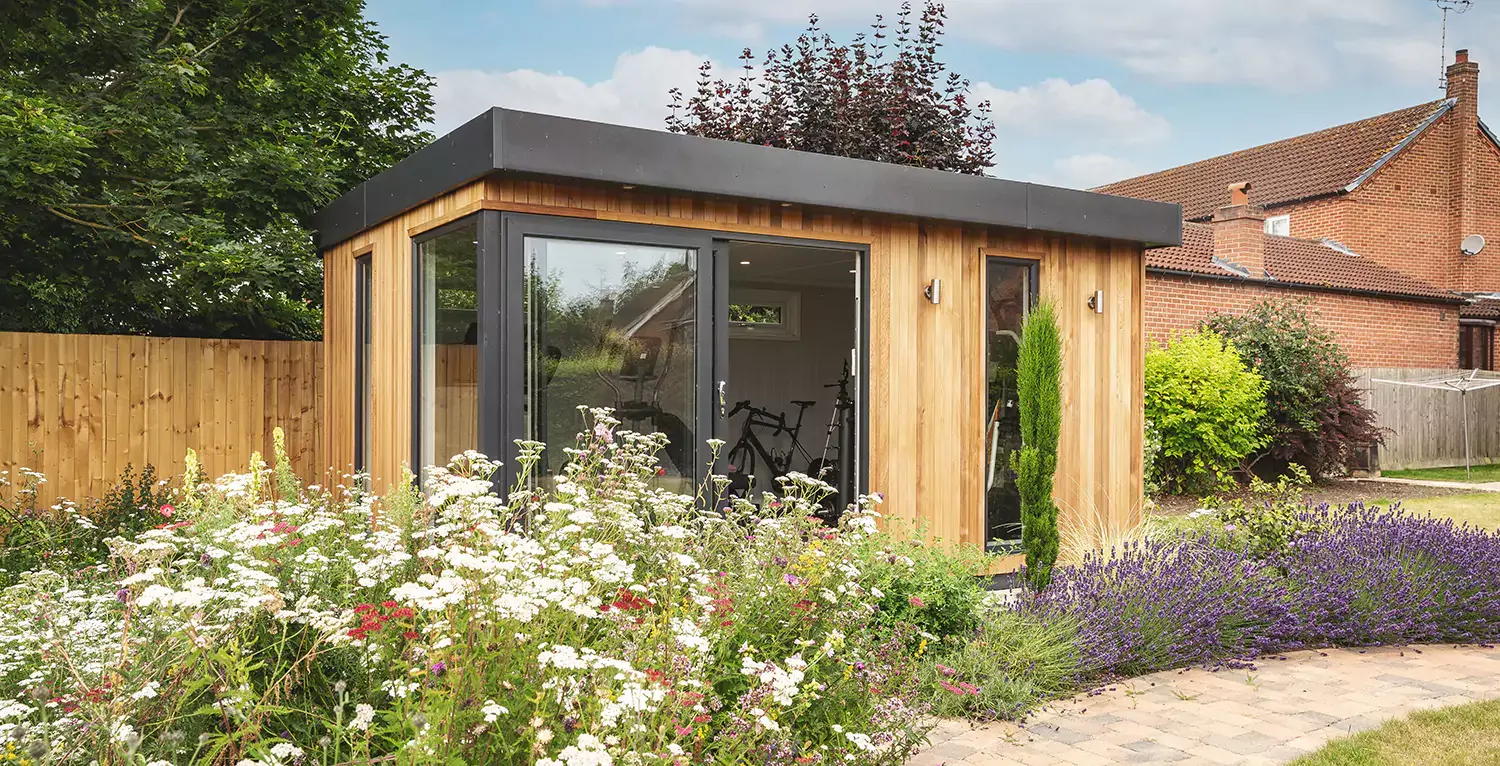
(1039, 388)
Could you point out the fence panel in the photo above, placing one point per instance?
(1426, 425)
(79, 408)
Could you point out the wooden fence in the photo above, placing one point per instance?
(79, 408)
(1426, 425)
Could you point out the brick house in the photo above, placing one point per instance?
(1369, 221)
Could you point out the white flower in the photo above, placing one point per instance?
(363, 715)
(286, 751)
(147, 692)
(493, 710)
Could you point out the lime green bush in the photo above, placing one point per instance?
(1207, 407)
(1039, 388)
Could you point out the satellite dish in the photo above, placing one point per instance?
(1472, 244)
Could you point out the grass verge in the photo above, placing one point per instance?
(1481, 509)
(1463, 734)
(1481, 473)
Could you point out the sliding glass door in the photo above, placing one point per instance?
(611, 324)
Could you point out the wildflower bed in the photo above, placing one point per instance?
(595, 618)
(602, 621)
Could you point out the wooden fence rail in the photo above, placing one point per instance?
(91, 404)
(1426, 426)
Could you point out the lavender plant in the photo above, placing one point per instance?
(1355, 576)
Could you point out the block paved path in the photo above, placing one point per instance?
(1269, 715)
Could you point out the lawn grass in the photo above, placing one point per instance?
(1463, 734)
(1481, 509)
(1481, 473)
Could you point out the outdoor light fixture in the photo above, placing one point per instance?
(933, 291)
(1096, 301)
(744, 263)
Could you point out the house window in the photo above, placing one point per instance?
(765, 314)
(363, 409)
(447, 327)
(1010, 291)
(1280, 225)
(1476, 346)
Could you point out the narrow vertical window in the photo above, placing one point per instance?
(1010, 289)
(447, 323)
(363, 326)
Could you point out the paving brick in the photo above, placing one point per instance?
(1296, 706)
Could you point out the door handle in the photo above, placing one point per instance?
(721, 399)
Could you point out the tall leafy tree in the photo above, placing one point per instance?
(159, 159)
(867, 99)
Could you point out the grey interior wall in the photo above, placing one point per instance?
(772, 373)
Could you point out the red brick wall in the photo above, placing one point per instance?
(1374, 332)
(1409, 215)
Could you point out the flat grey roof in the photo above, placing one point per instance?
(524, 142)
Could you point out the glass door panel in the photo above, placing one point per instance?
(611, 325)
(1009, 287)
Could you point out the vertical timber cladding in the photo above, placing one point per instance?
(926, 408)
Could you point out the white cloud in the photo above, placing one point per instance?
(1092, 109)
(1086, 171)
(1279, 44)
(635, 93)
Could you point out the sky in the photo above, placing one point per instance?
(1083, 91)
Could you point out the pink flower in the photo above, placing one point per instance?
(167, 510)
(945, 670)
(916, 602)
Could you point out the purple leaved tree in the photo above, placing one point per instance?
(858, 100)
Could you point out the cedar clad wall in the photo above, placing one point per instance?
(926, 405)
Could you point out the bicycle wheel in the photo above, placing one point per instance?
(740, 464)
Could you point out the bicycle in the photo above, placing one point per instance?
(748, 448)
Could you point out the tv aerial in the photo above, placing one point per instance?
(1458, 7)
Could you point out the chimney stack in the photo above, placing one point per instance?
(1465, 146)
(1239, 232)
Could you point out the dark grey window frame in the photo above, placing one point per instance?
(363, 284)
(500, 257)
(1034, 286)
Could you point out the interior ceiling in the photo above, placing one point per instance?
(789, 264)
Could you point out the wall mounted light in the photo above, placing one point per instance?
(1096, 301)
(934, 291)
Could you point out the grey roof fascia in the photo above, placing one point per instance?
(1401, 145)
(524, 142)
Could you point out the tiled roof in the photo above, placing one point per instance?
(1484, 308)
(1296, 262)
(1312, 165)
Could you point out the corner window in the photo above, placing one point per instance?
(447, 329)
(1280, 225)
(363, 327)
(1009, 292)
(1476, 346)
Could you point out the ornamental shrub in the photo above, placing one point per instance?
(604, 619)
(1206, 408)
(1314, 415)
(1039, 393)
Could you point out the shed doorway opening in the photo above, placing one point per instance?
(791, 352)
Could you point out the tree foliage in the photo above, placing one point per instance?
(1314, 415)
(159, 159)
(1206, 408)
(857, 100)
(1039, 391)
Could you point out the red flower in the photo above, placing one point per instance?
(362, 608)
(916, 602)
(389, 604)
(411, 635)
(403, 613)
